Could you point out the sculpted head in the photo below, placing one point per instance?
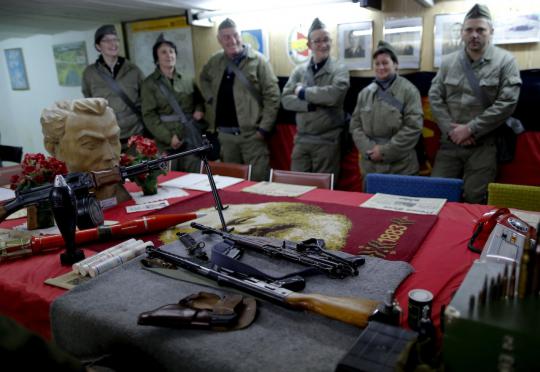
(83, 133)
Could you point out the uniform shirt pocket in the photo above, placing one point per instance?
(490, 86)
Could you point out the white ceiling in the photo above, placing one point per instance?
(22, 18)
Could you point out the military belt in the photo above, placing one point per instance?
(169, 118)
(379, 140)
(229, 130)
(316, 140)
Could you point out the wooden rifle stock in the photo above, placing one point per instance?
(351, 310)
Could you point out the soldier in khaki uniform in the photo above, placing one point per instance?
(388, 119)
(243, 103)
(467, 125)
(160, 117)
(127, 75)
(316, 92)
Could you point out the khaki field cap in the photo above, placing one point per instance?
(478, 11)
(227, 23)
(102, 31)
(384, 47)
(316, 25)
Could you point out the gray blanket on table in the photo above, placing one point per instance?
(100, 317)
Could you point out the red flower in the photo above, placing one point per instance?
(141, 149)
(37, 170)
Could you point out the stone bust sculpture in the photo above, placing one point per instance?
(85, 135)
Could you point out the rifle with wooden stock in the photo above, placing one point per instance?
(355, 311)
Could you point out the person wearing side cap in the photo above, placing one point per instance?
(123, 92)
(169, 127)
(468, 114)
(387, 120)
(316, 91)
(242, 94)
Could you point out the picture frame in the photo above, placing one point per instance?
(355, 42)
(140, 36)
(257, 39)
(296, 44)
(405, 36)
(447, 35)
(517, 29)
(70, 60)
(16, 69)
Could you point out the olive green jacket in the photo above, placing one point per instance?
(453, 101)
(375, 121)
(155, 104)
(248, 111)
(129, 78)
(324, 96)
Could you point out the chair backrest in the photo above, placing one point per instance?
(11, 153)
(420, 186)
(229, 169)
(514, 196)
(320, 180)
(7, 172)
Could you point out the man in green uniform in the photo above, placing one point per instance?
(468, 113)
(170, 103)
(316, 92)
(117, 80)
(242, 94)
(387, 120)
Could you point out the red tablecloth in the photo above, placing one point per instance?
(440, 263)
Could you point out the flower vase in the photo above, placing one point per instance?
(39, 216)
(150, 185)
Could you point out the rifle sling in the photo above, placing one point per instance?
(473, 81)
(390, 99)
(245, 82)
(168, 94)
(115, 87)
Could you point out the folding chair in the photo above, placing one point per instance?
(428, 187)
(320, 180)
(10, 153)
(229, 169)
(514, 196)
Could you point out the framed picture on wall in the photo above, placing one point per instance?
(257, 39)
(517, 29)
(16, 69)
(355, 41)
(447, 37)
(297, 48)
(405, 35)
(70, 60)
(142, 34)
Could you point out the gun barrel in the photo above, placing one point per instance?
(159, 163)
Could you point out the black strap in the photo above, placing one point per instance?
(245, 82)
(473, 81)
(172, 101)
(113, 84)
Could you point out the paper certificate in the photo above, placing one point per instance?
(409, 204)
(195, 181)
(278, 189)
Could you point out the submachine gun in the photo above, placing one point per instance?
(310, 252)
